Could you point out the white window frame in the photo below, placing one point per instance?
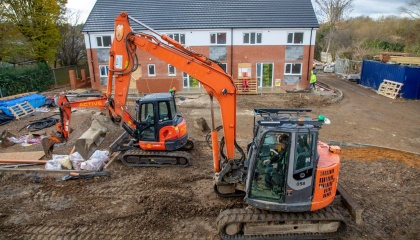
(148, 70)
(179, 38)
(291, 69)
(186, 79)
(102, 41)
(216, 42)
(169, 70)
(250, 38)
(106, 70)
(259, 74)
(293, 38)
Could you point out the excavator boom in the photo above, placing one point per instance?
(217, 83)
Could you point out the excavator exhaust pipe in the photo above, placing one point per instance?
(90, 141)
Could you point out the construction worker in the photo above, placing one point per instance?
(274, 175)
(313, 79)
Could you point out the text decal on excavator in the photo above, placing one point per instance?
(91, 104)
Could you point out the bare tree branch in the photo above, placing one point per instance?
(331, 12)
(412, 9)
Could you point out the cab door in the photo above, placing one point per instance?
(301, 175)
(148, 113)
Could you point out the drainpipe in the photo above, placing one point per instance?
(231, 52)
(91, 58)
(310, 50)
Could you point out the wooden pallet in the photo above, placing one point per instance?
(389, 88)
(252, 86)
(21, 109)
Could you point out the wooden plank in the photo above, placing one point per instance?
(406, 60)
(17, 96)
(7, 161)
(22, 155)
(354, 208)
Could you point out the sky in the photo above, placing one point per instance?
(371, 8)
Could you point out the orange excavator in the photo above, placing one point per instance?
(158, 133)
(287, 177)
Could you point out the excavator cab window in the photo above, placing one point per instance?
(164, 111)
(303, 155)
(147, 119)
(269, 178)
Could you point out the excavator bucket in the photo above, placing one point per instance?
(89, 142)
(48, 144)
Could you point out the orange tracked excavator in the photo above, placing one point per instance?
(158, 133)
(287, 177)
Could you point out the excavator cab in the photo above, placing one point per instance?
(288, 175)
(159, 127)
(282, 171)
(283, 160)
(160, 132)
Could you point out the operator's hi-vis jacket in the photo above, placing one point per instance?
(313, 77)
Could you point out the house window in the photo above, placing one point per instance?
(103, 41)
(171, 70)
(293, 69)
(217, 38)
(151, 70)
(103, 74)
(252, 37)
(295, 38)
(179, 37)
(103, 70)
(190, 82)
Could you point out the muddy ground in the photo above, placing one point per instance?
(179, 203)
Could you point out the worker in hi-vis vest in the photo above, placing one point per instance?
(313, 79)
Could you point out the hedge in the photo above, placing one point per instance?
(35, 78)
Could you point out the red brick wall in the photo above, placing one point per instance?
(94, 73)
(242, 54)
(151, 85)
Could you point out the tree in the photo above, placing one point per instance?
(72, 47)
(36, 21)
(331, 12)
(412, 9)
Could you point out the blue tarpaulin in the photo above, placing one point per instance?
(35, 100)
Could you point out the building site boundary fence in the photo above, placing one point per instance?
(345, 67)
(60, 75)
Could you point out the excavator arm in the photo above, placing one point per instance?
(218, 84)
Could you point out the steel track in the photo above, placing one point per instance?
(141, 158)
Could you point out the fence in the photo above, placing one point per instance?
(61, 75)
(345, 66)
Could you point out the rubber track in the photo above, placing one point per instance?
(260, 216)
(155, 154)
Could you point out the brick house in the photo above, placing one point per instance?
(270, 41)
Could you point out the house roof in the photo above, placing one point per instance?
(204, 14)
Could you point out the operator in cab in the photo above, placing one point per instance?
(275, 164)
